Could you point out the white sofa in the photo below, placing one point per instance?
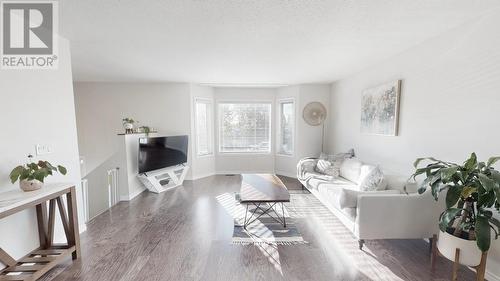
(391, 213)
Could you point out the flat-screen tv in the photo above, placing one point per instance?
(162, 152)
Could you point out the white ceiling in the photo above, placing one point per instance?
(249, 41)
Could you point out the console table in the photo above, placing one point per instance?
(39, 261)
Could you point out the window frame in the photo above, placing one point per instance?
(210, 124)
(219, 127)
(278, 125)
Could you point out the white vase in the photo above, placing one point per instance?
(30, 185)
(470, 255)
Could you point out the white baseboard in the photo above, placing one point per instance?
(243, 172)
(197, 177)
(82, 228)
(286, 174)
(491, 277)
(132, 196)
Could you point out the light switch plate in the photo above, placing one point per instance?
(42, 149)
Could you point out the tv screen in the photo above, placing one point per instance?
(161, 152)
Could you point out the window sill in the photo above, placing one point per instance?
(243, 153)
(205, 155)
(285, 155)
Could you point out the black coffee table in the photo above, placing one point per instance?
(263, 190)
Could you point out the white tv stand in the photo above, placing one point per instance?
(173, 175)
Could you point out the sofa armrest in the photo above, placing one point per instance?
(306, 165)
(397, 216)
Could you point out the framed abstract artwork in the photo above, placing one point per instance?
(380, 109)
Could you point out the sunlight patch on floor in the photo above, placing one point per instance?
(342, 246)
(237, 212)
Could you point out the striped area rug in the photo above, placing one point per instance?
(266, 230)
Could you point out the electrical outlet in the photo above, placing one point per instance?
(42, 149)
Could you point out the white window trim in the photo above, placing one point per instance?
(278, 125)
(219, 126)
(210, 104)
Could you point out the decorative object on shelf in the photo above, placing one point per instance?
(145, 129)
(472, 190)
(32, 175)
(128, 125)
(380, 109)
(315, 115)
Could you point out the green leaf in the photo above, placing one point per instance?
(418, 172)
(33, 166)
(421, 189)
(447, 173)
(62, 169)
(495, 175)
(447, 217)
(495, 222)
(16, 173)
(40, 174)
(492, 161)
(50, 166)
(415, 164)
(487, 183)
(483, 233)
(435, 189)
(497, 193)
(486, 200)
(453, 195)
(471, 163)
(25, 174)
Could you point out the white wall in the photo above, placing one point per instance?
(240, 162)
(100, 107)
(307, 138)
(449, 104)
(37, 107)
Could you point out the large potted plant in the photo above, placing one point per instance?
(32, 175)
(472, 194)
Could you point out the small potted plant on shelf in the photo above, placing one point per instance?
(128, 125)
(145, 129)
(472, 194)
(32, 175)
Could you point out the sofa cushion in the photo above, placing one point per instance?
(348, 198)
(314, 180)
(371, 178)
(331, 193)
(315, 176)
(350, 169)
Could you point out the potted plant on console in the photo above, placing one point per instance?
(467, 225)
(32, 175)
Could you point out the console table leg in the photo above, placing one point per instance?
(41, 218)
(73, 222)
(52, 217)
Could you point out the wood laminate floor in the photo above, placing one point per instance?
(185, 234)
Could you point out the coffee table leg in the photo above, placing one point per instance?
(283, 210)
(245, 222)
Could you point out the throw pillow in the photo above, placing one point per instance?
(325, 167)
(371, 179)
